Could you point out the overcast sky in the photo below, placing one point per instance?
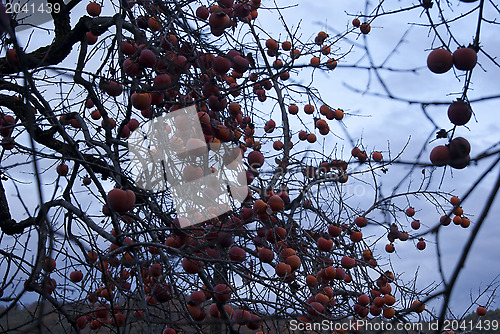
(394, 123)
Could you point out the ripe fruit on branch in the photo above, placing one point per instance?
(459, 148)
(62, 169)
(127, 48)
(237, 254)
(221, 64)
(311, 138)
(308, 109)
(197, 297)
(363, 300)
(162, 81)
(276, 203)
(155, 270)
(460, 163)
(334, 230)
(415, 224)
(293, 109)
(418, 306)
(361, 221)
(440, 155)
(94, 9)
(278, 145)
(481, 311)
(153, 24)
(331, 64)
(465, 59)
(321, 123)
(147, 58)
(255, 159)
(121, 200)
(325, 245)
(356, 236)
(356, 22)
(459, 112)
(259, 206)
(112, 88)
(266, 255)
(95, 115)
(315, 308)
(410, 212)
(222, 292)
(141, 101)
(240, 64)
(91, 38)
(421, 244)
(271, 44)
(295, 54)
(49, 265)
(440, 61)
(348, 262)
(315, 61)
(270, 125)
(202, 12)
(465, 222)
(377, 156)
(320, 38)
(162, 292)
(76, 276)
(365, 28)
(219, 21)
(283, 269)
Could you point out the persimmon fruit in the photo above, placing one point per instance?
(465, 59)
(440, 61)
(94, 9)
(459, 112)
